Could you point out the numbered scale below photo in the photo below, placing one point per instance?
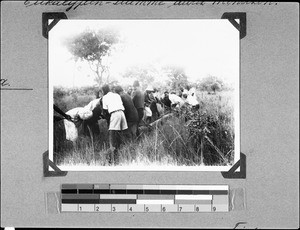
(144, 198)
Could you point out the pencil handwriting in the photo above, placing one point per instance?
(4, 82)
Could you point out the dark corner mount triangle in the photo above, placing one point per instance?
(232, 174)
(241, 26)
(47, 163)
(56, 16)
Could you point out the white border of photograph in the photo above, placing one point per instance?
(153, 167)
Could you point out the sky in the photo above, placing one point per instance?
(202, 47)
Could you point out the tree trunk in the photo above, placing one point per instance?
(107, 78)
(99, 75)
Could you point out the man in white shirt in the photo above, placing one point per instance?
(192, 99)
(112, 102)
(176, 101)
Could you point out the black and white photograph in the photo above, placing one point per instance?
(146, 95)
(149, 114)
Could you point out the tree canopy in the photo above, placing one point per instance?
(211, 83)
(94, 47)
(151, 74)
(144, 74)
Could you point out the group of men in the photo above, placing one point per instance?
(183, 98)
(126, 110)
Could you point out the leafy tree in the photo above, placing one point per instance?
(177, 77)
(144, 74)
(94, 47)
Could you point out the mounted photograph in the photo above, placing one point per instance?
(144, 95)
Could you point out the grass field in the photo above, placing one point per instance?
(207, 140)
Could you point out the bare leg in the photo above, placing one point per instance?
(114, 143)
(111, 146)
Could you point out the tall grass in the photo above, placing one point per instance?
(175, 142)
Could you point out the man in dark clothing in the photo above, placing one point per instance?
(131, 114)
(92, 123)
(138, 101)
(153, 106)
(166, 101)
(150, 102)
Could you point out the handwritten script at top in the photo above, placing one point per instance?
(73, 5)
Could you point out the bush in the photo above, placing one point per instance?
(211, 84)
(66, 98)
